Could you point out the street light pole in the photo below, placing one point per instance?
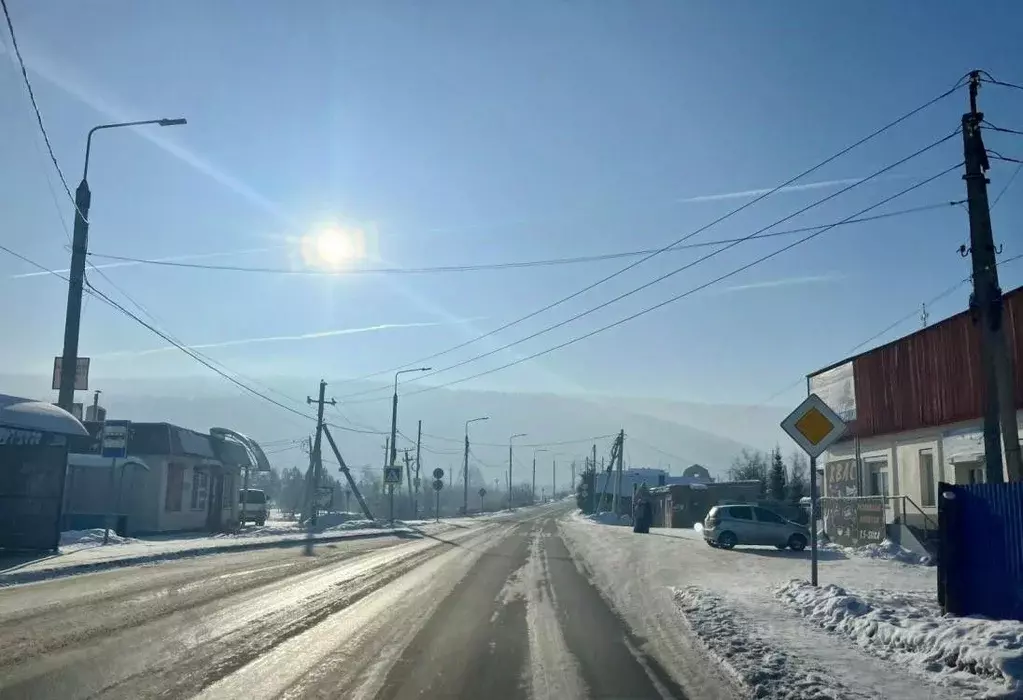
(465, 466)
(510, 467)
(76, 276)
(394, 412)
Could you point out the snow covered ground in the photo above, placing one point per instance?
(670, 586)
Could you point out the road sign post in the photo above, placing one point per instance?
(392, 478)
(438, 484)
(814, 427)
(114, 446)
(483, 494)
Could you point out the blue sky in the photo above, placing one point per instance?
(453, 133)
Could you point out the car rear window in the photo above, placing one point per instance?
(741, 512)
(254, 497)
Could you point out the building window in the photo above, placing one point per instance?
(175, 486)
(927, 485)
(200, 486)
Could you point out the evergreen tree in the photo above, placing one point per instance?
(776, 476)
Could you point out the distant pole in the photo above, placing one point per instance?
(418, 483)
(554, 478)
(533, 488)
(987, 306)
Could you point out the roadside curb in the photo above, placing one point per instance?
(18, 577)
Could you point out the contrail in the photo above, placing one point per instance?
(285, 338)
(783, 282)
(756, 193)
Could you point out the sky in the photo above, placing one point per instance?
(461, 133)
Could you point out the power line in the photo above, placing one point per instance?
(697, 231)
(891, 326)
(992, 81)
(1006, 186)
(480, 267)
(1001, 129)
(35, 104)
(673, 299)
(682, 268)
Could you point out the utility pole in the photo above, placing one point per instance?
(419, 445)
(317, 466)
(573, 476)
(533, 492)
(986, 304)
(554, 478)
(924, 316)
(408, 477)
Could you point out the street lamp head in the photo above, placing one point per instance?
(172, 122)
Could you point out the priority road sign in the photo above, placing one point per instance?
(814, 426)
(115, 439)
(392, 475)
(438, 484)
(438, 473)
(482, 492)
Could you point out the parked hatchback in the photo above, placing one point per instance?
(727, 526)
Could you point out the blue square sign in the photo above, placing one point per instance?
(115, 439)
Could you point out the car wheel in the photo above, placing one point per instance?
(260, 523)
(727, 540)
(781, 546)
(712, 543)
(797, 543)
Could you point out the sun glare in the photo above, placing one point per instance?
(333, 248)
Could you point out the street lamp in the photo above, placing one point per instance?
(540, 449)
(510, 467)
(465, 466)
(394, 411)
(76, 277)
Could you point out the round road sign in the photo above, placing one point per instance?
(483, 492)
(438, 473)
(438, 484)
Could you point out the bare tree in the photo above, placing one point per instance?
(798, 466)
(750, 465)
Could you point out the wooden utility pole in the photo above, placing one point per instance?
(987, 306)
(316, 462)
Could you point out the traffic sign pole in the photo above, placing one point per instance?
(114, 444)
(813, 521)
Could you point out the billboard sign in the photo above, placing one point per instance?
(837, 388)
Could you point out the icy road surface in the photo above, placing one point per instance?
(495, 610)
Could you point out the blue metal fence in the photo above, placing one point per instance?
(980, 560)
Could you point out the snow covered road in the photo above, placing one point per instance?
(499, 609)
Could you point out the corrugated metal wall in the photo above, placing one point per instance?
(932, 377)
(981, 550)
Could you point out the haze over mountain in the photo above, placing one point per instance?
(668, 434)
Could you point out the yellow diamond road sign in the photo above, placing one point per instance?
(814, 426)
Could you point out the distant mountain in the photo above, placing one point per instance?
(658, 433)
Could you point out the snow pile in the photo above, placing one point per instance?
(755, 660)
(80, 539)
(887, 550)
(910, 627)
(608, 518)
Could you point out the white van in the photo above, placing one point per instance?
(252, 506)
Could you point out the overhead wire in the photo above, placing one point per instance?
(35, 104)
(661, 304)
(731, 213)
(682, 268)
(479, 267)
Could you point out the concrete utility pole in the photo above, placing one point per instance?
(76, 274)
(535, 450)
(554, 478)
(510, 439)
(987, 306)
(465, 465)
(394, 412)
(317, 462)
(419, 446)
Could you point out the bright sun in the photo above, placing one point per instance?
(332, 248)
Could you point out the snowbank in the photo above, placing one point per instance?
(80, 539)
(887, 550)
(608, 518)
(910, 628)
(760, 665)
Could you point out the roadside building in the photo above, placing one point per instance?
(685, 504)
(174, 479)
(33, 459)
(914, 409)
